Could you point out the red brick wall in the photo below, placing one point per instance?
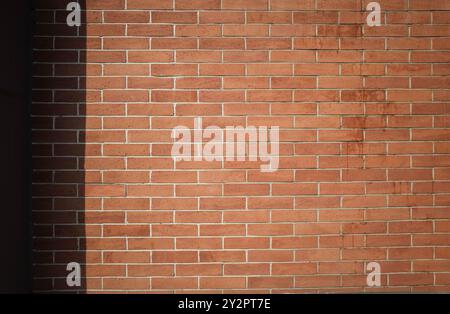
(364, 142)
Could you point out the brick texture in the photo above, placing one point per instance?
(364, 170)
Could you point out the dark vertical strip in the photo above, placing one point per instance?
(15, 152)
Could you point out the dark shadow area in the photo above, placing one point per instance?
(15, 220)
(58, 113)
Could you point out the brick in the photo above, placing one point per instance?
(364, 146)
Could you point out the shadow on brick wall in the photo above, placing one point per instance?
(58, 126)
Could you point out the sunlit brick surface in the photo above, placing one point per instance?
(364, 171)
